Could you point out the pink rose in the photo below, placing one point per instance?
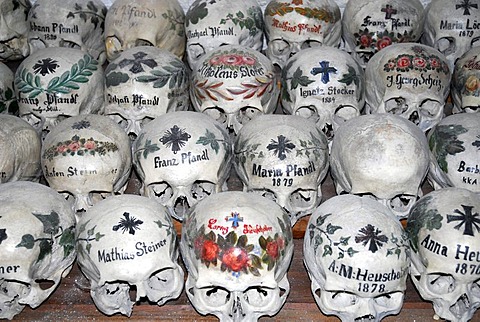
(384, 42)
(249, 60)
(61, 148)
(403, 62)
(232, 59)
(419, 62)
(74, 146)
(90, 145)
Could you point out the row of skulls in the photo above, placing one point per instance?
(237, 248)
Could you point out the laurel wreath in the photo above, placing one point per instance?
(68, 81)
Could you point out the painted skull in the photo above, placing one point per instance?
(53, 84)
(237, 247)
(20, 146)
(410, 80)
(181, 158)
(37, 244)
(13, 29)
(143, 83)
(369, 26)
(466, 83)
(325, 85)
(70, 24)
(455, 146)
(283, 158)
(357, 257)
(157, 23)
(125, 242)
(382, 156)
(8, 101)
(298, 24)
(211, 24)
(443, 229)
(87, 158)
(234, 84)
(452, 27)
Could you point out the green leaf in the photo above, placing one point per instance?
(98, 236)
(45, 249)
(50, 222)
(28, 241)
(88, 247)
(327, 250)
(331, 228)
(262, 242)
(67, 240)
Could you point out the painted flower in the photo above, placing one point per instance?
(383, 42)
(403, 62)
(232, 59)
(248, 60)
(235, 259)
(90, 145)
(210, 250)
(62, 148)
(365, 38)
(74, 146)
(216, 60)
(272, 249)
(472, 83)
(434, 62)
(419, 62)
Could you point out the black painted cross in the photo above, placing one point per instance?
(325, 70)
(137, 62)
(389, 11)
(280, 147)
(466, 5)
(469, 219)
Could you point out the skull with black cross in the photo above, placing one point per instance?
(181, 158)
(53, 84)
(381, 156)
(325, 85)
(371, 25)
(37, 244)
(13, 29)
(357, 257)
(211, 24)
(127, 243)
(410, 80)
(234, 84)
(443, 229)
(142, 83)
(466, 83)
(283, 158)
(237, 247)
(455, 147)
(70, 24)
(293, 25)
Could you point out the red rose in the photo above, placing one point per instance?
(419, 62)
(90, 145)
(384, 42)
(403, 62)
(249, 60)
(232, 59)
(235, 258)
(210, 250)
(434, 62)
(74, 146)
(272, 249)
(215, 60)
(365, 41)
(61, 148)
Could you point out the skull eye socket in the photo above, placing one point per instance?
(430, 108)
(389, 299)
(37, 43)
(113, 45)
(33, 120)
(120, 120)
(310, 43)
(162, 278)
(143, 42)
(396, 105)
(214, 295)
(266, 193)
(342, 297)
(202, 189)
(216, 113)
(248, 113)
(308, 112)
(402, 203)
(440, 283)
(344, 113)
(279, 47)
(446, 45)
(68, 44)
(162, 191)
(196, 51)
(258, 296)
(303, 199)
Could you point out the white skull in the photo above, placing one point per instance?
(157, 23)
(70, 24)
(381, 156)
(181, 158)
(234, 84)
(53, 84)
(128, 241)
(20, 145)
(455, 146)
(451, 27)
(443, 229)
(357, 257)
(86, 157)
(13, 29)
(237, 247)
(143, 83)
(211, 24)
(410, 80)
(371, 25)
(466, 83)
(324, 84)
(283, 158)
(8, 101)
(37, 244)
(298, 24)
